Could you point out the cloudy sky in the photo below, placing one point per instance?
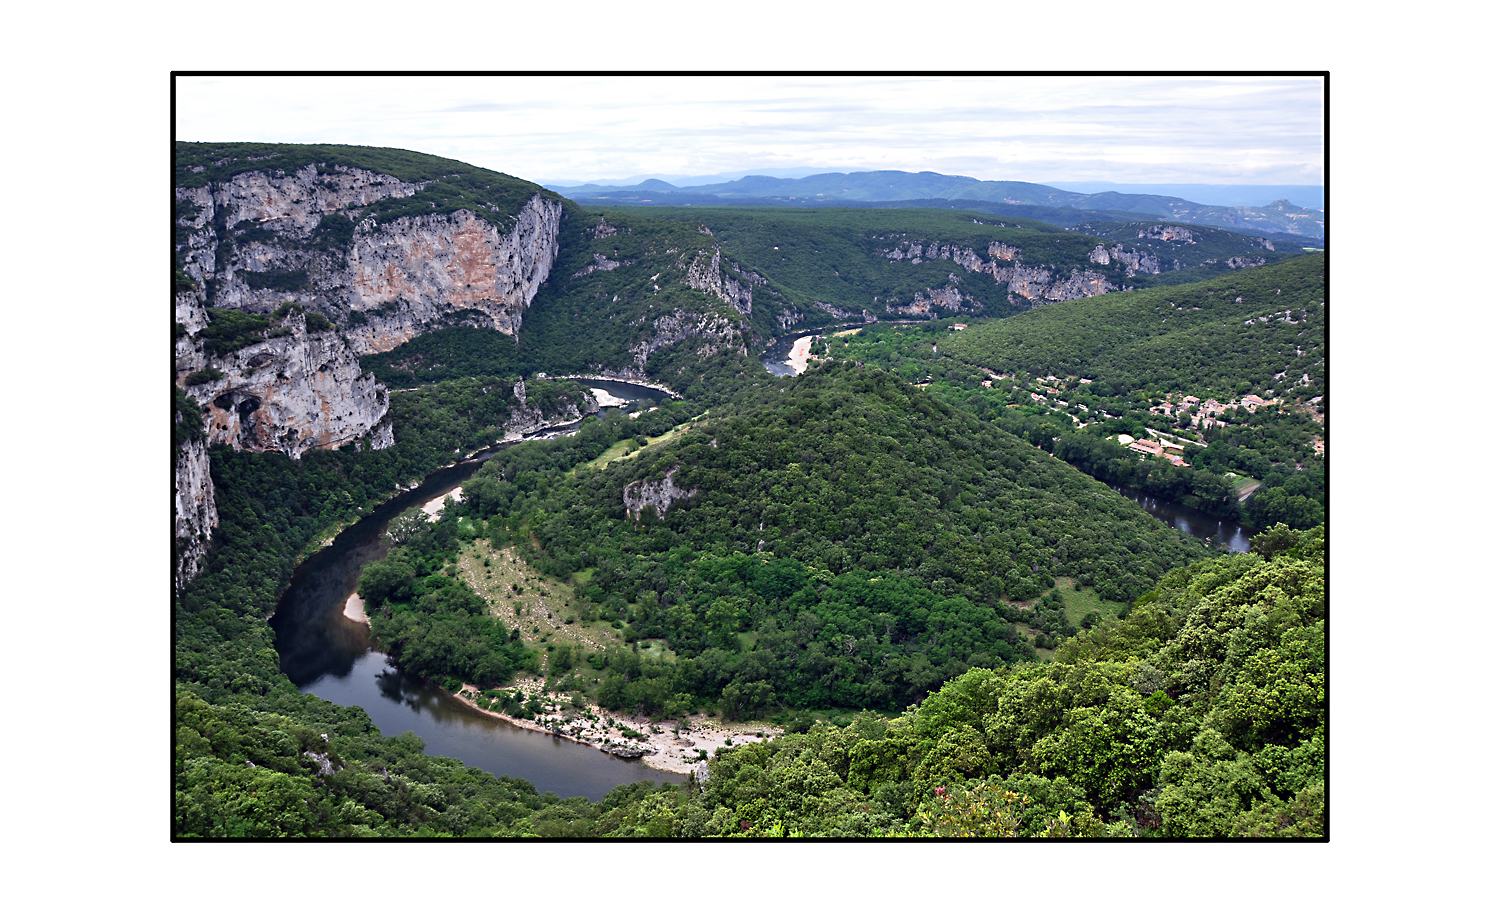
(1229, 130)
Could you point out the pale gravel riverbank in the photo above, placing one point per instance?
(674, 750)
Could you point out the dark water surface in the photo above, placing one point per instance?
(329, 655)
(1232, 536)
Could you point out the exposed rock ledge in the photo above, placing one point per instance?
(627, 750)
(196, 513)
(658, 494)
(293, 392)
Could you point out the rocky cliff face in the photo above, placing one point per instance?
(293, 392)
(423, 272)
(528, 419)
(1031, 282)
(1166, 233)
(1132, 260)
(734, 289)
(713, 332)
(658, 494)
(259, 239)
(196, 513)
(943, 300)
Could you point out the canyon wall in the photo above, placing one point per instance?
(259, 239)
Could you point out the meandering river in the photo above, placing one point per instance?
(329, 655)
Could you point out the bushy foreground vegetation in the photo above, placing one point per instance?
(1200, 714)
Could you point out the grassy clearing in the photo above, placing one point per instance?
(1078, 604)
(621, 449)
(1243, 485)
(541, 606)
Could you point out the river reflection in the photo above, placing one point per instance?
(327, 654)
(397, 703)
(1233, 537)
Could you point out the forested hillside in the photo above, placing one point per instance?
(628, 286)
(854, 260)
(1074, 376)
(849, 542)
(1203, 713)
(1225, 337)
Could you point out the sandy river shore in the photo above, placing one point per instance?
(676, 748)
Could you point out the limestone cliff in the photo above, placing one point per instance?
(714, 333)
(1033, 283)
(657, 494)
(1166, 233)
(292, 392)
(932, 302)
(196, 513)
(528, 419)
(256, 239)
(735, 289)
(1132, 261)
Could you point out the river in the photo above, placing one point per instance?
(1233, 537)
(329, 655)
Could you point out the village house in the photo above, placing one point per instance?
(1146, 447)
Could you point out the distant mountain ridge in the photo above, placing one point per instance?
(893, 186)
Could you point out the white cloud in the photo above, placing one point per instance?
(1124, 129)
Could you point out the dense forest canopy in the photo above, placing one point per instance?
(1224, 337)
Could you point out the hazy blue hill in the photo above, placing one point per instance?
(1307, 196)
(894, 185)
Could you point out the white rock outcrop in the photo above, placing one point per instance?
(704, 275)
(196, 513)
(254, 241)
(658, 494)
(293, 392)
(1031, 282)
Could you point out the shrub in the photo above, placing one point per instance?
(206, 375)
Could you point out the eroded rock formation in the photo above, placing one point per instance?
(196, 513)
(292, 392)
(528, 419)
(657, 494)
(1031, 282)
(259, 239)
